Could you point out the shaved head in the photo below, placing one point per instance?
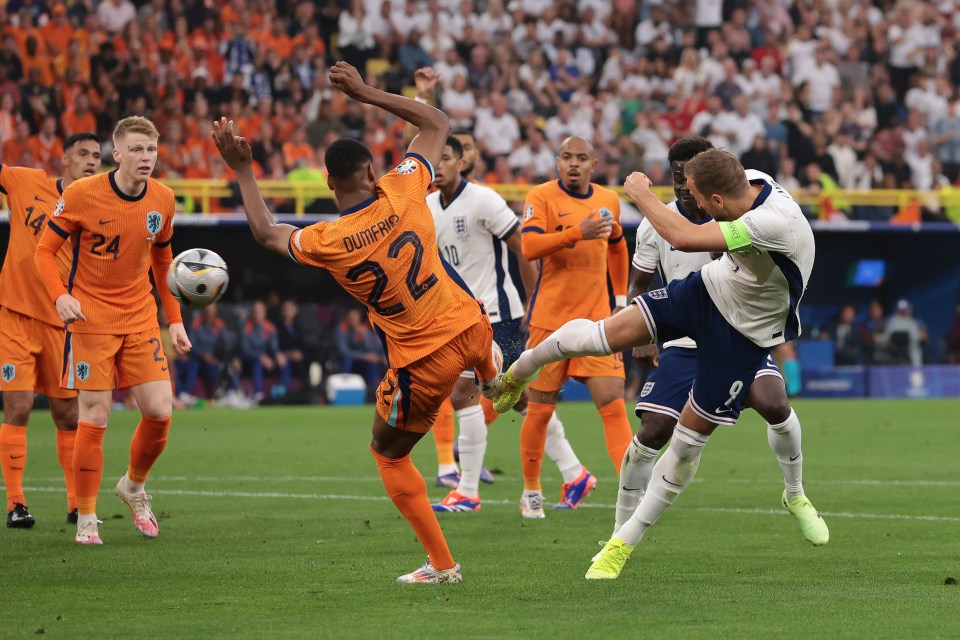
(576, 144)
(576, 162)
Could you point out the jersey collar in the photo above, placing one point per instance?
(60, 186)
(121, 194)
(358, 207)
(460, 188)
(686, 214)
(579, 196)
(764, 193)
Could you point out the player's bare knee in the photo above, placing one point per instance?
(655, 429)
(626, 329)
(775, 411)
(16, 407)
(768, 397)
(65, 414)
(465, 394)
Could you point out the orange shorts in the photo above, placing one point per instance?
(554, 375)
(409, 398)
(31, 355)
(98, 362)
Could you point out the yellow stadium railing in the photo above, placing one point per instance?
(200, 193)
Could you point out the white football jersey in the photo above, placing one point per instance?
(470, 232)
(655, 255)
(758, 283)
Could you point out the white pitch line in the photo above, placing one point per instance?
(589, 505)
(376, 479)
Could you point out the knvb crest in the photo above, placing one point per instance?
(605, 213)
(460, 225)
(83, 371)
(154, 222)
(8, 371)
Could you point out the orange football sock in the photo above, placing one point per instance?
(13, 458)
(88, 465)
(616, 431)
(443, 434)
(406, 488)
(489, 413)
(533, 439)
(149, 441)
(65, 442)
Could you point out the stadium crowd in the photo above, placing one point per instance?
(824, 94)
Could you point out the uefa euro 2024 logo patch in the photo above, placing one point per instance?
(154, 222)
(59, 209)
(8, 372)
(528, 212)
(83, 371)
(407, 167)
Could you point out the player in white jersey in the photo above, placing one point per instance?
(475, 230)
(736, 308)
(667, 387)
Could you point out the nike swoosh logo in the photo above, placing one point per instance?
(795, 457)
(673, 248)
(87, 470)
(559, 348)
(107, 221)
(38, 199)
(637, 489)
(163, 368)
(722, 410)
(564, 215)
(13, 457)
(671, 483)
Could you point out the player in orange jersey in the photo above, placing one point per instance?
(31, 334)
(121, 225)
(573, 228)
(383, 251)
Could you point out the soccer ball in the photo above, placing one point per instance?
(198, 277)
(497, 354)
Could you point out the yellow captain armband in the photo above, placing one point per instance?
(735, 233)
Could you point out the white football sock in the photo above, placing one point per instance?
(473, 444)
(784, 439)
(559, 450)
(575, 339)
(132, 487)
(671, 475)
(635, 471)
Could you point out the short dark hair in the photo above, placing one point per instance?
(345, 157)
(717, 172)
(455, 146)
(77, 138)
(464, 132)
(684, 149)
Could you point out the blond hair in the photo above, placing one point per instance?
(135, 124)
(717, 172)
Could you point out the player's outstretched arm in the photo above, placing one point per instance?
(237, 154)
(679, 232)
(432, 123)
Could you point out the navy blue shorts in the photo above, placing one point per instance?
(509, 335)
(726, 361)
(668, 386)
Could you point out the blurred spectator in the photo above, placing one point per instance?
(903, 338)
(291, 339)
(760, 157)
(260, 350)
(211, 345)
(851, 341)
(361, 351)
(534, 153)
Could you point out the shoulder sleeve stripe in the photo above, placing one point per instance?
(426, 162)
(619, 238)
(60, 232)
(509, 232)
(161, 245)
(294, 238)
(736, 235)
(533, 230)
(644, 267)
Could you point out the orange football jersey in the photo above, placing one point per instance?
(573, 281)
(113, 235)
(32, 197)
(384, 253)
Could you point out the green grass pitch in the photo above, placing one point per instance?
(274, 524)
